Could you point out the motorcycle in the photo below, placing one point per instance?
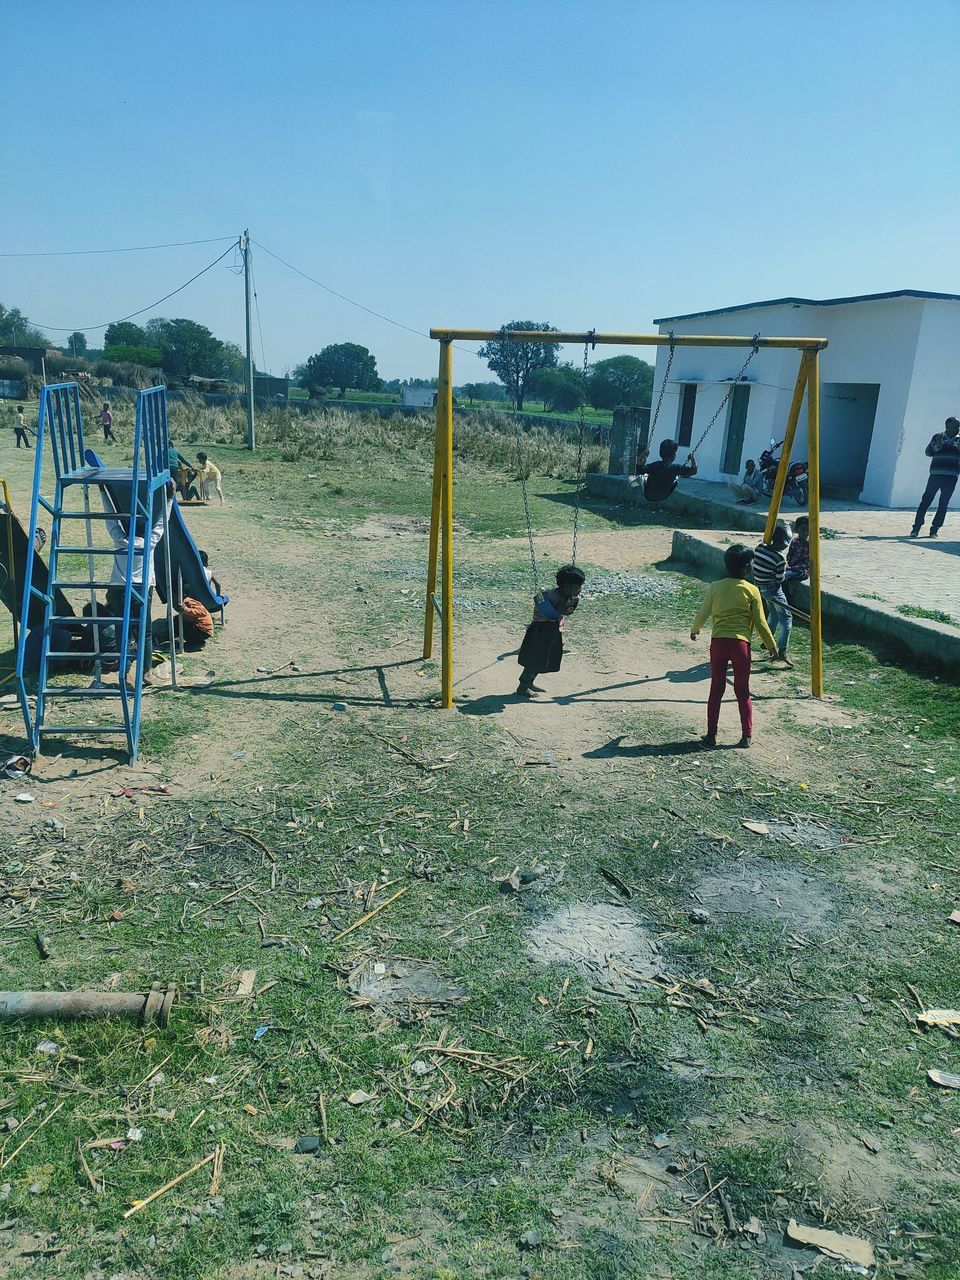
(797, 481)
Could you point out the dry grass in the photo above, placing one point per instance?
(486, 437)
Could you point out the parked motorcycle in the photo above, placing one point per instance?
(796, 485)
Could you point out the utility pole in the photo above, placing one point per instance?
(248, 301)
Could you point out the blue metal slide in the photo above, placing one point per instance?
(185, 559)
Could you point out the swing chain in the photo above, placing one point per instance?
(723, 403)
(663, 390)
(591, 342)
(521, 471)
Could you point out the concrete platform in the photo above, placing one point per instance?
(932, 646)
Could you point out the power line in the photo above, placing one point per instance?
(256, 303)
(135, 248)
(83, 328)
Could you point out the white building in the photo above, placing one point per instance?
(889, 378)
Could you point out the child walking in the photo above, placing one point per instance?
(736, 609)
(769, 571)
(542, 648)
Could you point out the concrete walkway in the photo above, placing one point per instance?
(866, 555)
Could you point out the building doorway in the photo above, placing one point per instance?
(736, 428)
(847, 413)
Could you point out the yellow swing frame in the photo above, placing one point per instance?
(441, 511)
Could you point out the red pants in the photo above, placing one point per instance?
(737, 654)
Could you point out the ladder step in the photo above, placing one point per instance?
(82, 586)
(89, 653)
(53, 691)
(82, 622)
(81, 728)
(91, 551)
(90, 515)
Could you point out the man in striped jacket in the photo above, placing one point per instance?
(769, 568)
(944, 450)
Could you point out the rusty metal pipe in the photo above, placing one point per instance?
(155, 1006)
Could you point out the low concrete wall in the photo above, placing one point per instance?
(696, 509)
(921, 643)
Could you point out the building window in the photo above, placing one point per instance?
(688, 405)
(736, 429)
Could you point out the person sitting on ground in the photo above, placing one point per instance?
(212, 581)
(737, 610)
(944, 452)
(662, 477)
(106, 421)
(542, 648)
(769, 570)
(798, 552)
(195, 622)
(207, 474)
(748, 490)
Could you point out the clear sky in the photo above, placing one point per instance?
(591, 164)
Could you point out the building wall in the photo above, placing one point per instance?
(934, 396)
(872, 342)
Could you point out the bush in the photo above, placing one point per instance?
(125, 375)
(14, 368)
(150, 357)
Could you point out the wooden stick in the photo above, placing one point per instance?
(240, 831)
(46, 1120)
(167, 1186)
(371, 914)
(707, 1193)
(86, 1169)
(323, 1119)
(217, 1168)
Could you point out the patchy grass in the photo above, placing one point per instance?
(516, 1132)
(931, 615)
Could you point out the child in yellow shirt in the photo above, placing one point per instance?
(736, 609)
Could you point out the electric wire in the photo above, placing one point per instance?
(84, 328)
(134, 248)
(352, 301)
(256, 303)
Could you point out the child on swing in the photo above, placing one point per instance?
(542, 648)
(736, 609)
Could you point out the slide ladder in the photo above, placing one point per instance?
(79, 561)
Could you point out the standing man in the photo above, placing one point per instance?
(20, 427)
(106, 421)
(944, 449)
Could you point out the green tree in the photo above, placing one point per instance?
(562, 388)
(513, 362)
(152, 357)
(188, 349)
(620, 380)
(342, 365)
(17, 331)
(75, 345)
(124, 333)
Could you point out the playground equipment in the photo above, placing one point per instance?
(135, 507)
(441, 515)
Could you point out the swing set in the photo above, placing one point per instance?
(440, 554)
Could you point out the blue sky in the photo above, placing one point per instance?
(589, 164)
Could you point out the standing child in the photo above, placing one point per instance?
(106, 421)
(769, 571)
(208, 474)
(736, 609)
(542, 648)
(20, 427)
(798, 552)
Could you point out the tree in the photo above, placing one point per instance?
(483, 391)
(513, 362)
(17, 331)
(75, 345)
(188, 349)
(124, 333)
(343, 365)
(620, 380)
(562, 388)
(152, 357)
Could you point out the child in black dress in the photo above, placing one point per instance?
(542, 648)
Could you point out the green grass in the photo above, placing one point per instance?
(931, 615)
(448, 1171)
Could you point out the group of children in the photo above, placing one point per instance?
(737, 608)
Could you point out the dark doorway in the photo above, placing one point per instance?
(847, 412)
(736, 427)
(688, 407)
